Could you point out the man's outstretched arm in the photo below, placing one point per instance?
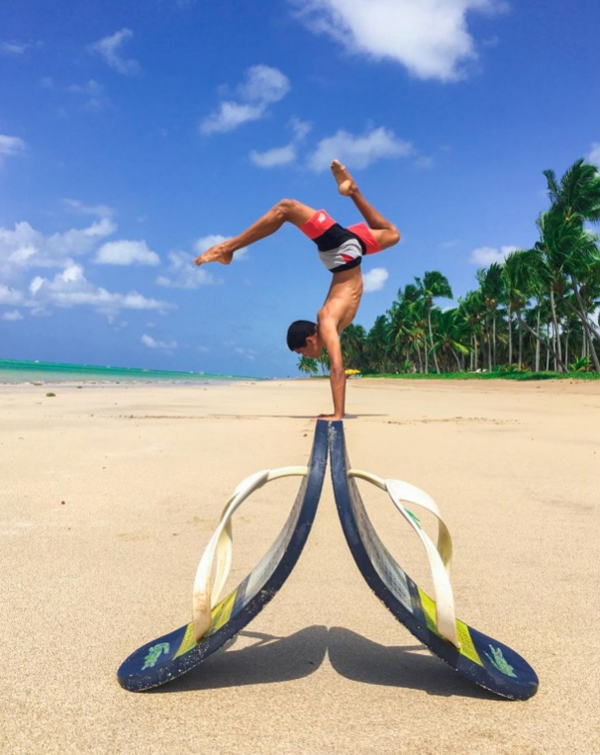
(337, 377)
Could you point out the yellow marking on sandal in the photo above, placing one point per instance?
(467, 648)
(222, 613)
(188, 641)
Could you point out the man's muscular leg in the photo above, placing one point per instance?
(285, 211)
(385, 232)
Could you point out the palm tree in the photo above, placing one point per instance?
(470, 315)
(323, 361)
(308, 365)
(378, 345)
(525, 275)
(352, 341)
(408, 319)
(572, 255)
(514, 277)
(577, 192)
(491, 287)
(432, 286)
(575, 199)
(449, 338)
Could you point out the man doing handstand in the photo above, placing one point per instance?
(341, 251)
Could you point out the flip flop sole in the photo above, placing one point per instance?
(176, 653)
(481, 659)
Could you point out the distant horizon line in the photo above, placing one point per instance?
(29, 365)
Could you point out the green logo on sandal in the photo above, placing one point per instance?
(154, 654)
(498, 661)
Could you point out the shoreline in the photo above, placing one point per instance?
(560, 385)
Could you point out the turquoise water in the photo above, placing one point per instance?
(51, 372)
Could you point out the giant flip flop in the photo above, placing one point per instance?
(481, 659)
(215, 621)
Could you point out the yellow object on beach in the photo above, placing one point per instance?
(351, 373)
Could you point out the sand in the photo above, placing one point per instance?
(109, 494)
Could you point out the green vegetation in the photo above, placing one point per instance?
(531, 317)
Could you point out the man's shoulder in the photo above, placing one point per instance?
(327, 318)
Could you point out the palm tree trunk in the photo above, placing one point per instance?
(520, 337)
(435, 361)
(555, 324)
(494, 360)
(538, 343)
(550, 349)
(589, 330)
(419, 358)
(509, 335)
(455, 355)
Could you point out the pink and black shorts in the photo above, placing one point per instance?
(339, 248)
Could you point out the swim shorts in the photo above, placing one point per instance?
(339, 248)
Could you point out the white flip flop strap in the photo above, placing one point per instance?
(439, 558)
(206, 595)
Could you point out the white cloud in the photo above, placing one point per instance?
(79, 241)
(11, 146)
(429, 37)
(24, 247)
(151, 343)
(229, 116)
(375, 279)
(278, 156)
(487, 255)
(10, 296)
(13, 48)
(358, 151)
(262, 86)
(12, 316)
(300, 128)
(273, 158)
(94, 93)
(98, 210)
(594, 156)
(126, 253)
(109, 48)
(184, 274)
(70, 288)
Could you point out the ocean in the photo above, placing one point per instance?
(52, 372)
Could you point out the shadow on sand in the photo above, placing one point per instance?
(279, 659)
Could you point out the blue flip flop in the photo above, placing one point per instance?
(481, 659)
(215, 622)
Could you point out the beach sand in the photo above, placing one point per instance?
(109, 494)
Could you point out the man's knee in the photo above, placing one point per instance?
(287, 208)
(394, 235)
(389, 237)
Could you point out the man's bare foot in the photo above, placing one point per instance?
(345, 182)
(217, 253)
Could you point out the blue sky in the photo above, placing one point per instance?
(134, 135)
